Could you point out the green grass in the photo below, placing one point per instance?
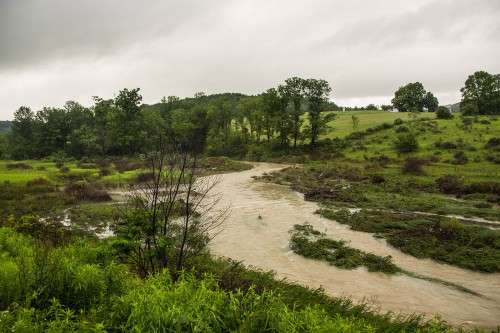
(471, 141)
(350, 184)
(343, 125)
(83, 287)
(48, 170)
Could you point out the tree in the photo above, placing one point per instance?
(21, 144)
(271, 105)
(481, 94)
(126, 122)
(317, 93)
(413, 98)
(430, 102)
(293, 90)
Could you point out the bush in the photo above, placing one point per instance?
(18, 166)
(443, 113)
(460, 158)
(406, 143)
(445, 145)
(144, 177)
(398, 121)
(83, 191)
(414, 165)
(402, 129)
(450, 184)
(127, 165)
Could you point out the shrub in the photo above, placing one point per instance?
(126, 165)
(144, 177)
(398, 121)
(445, 145)
(443, 113)
(450, 184)
(493, 143)
(83, 191)
(414, 165)
(406, 143)
(460, 158)
(402, 129)
(377, 179)
(382, 160)
(18, 166)
(104, 171)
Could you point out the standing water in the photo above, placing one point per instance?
(257, 233)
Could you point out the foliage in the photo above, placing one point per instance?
(83, 288)
(481, 94)
(443, 113)
(406, 143)
(413, 98)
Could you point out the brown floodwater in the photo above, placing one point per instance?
(257, 233)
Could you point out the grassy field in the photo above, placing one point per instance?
(22, 172)
(453, 171)
(343, 125)
(25, 171)
(439, 141)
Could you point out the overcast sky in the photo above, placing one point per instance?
(52, 51)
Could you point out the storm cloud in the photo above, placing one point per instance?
(57, 50)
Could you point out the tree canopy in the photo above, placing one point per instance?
(220, 124)
(481, 94)
(414, 98)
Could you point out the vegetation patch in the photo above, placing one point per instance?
(83, 286)
(310, 243)
(442, 239)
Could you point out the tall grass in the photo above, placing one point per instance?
(82, 287)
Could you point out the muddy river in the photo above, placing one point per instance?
(263, 242)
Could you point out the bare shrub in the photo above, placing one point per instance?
(173, 215)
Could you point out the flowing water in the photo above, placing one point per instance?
(256, 233)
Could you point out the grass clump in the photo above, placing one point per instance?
(310, 243)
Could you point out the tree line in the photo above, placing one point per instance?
(281, 116)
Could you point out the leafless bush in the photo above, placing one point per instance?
(174, 214)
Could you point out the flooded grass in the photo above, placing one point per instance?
(442, 239)
(310, 243)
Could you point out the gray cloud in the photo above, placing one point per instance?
(36, 31)
(57, 50)
(440, 21)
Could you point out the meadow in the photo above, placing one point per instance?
(343, 124)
